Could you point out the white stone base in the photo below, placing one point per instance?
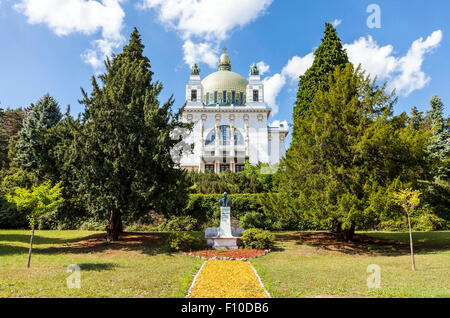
(227, 243)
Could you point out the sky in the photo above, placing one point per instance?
(56, 46)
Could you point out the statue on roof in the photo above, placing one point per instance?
(195, 69)
(254, 69)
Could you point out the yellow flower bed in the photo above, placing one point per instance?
(227, 279)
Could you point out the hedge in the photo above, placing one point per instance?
(205, 208)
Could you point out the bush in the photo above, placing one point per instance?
(205, 209)
(92, 225)
(179, 223)
(255, 220)
(10, 217)
(183, 241)
(138, 227)
(258, 239)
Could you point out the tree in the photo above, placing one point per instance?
(10, 125)
(439, 147)
(351, 153)
(43, 115)
(122, 149)
(409, 200)
(327, 56)
(38, 201)
(417, 119)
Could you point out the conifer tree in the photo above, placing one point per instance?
(351, 153)
(439, 147)
(122, 152)
(44, 115)
(327, 56)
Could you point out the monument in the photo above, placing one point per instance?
(225, 236)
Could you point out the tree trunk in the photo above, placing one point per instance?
(413, 264)
(349, 233)
(31, 247)
(114, 226)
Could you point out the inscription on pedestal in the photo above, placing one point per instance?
(225, 222)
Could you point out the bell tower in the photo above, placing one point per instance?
(255, 87)
(194, 92)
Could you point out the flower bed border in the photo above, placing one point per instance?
(225, 258)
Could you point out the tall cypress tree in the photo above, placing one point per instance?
(122, 152)
(439, 147)
(351, 153)
(44, 115)
(327, 56)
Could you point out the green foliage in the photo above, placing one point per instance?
(258, 239)
(93, 225)
(38, 201)
(255, 220)
(327, 56)
(179, 223)
(10, 125)
(350, 156)
(183, 241)
(10, 216)
(205, 209)
(122, 152)
(43, 115)
(439, 147)
(251, 180)
(408, 199)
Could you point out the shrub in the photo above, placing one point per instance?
(182, 241)
(92, 225)
(255, 220)
(10, 217)
(258, 239)
(138, 227)
(179, 223)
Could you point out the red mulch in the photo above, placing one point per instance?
(240, 254)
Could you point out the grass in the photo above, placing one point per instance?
(143, 268)
(304, 264)
(301, 268)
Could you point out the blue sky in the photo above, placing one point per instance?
(56, 46)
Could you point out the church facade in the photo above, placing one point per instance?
(230, 121)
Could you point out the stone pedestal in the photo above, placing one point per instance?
(227, 243)
(223, 237)
(225, 222)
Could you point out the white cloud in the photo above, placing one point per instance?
(273, 85)
(405, 73)
(336, 23)
(205, 52)
(263, 67)
(87, 17)
(411, 76)
(203, 24)
(297, 66)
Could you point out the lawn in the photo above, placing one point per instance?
(304, 264)
(143, 267)
(314, 266)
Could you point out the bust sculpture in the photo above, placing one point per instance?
(225, 202)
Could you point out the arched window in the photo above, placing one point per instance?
(224, 137)
(238, 138)
(210, 140)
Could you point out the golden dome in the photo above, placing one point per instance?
(224, 63)
(224, 80)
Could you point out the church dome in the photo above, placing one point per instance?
(224, 80)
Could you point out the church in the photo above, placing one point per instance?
(230, 121)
